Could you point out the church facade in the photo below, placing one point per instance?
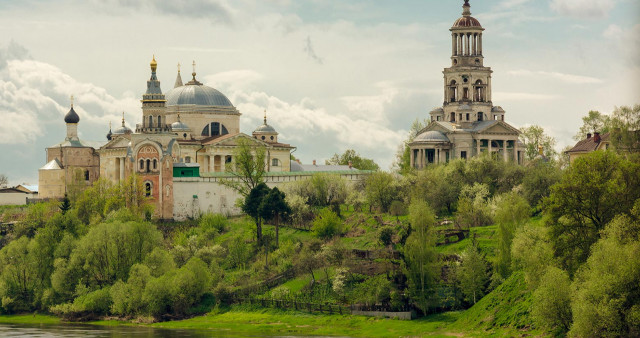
(468, 124)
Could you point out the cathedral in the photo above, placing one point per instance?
(467, 124)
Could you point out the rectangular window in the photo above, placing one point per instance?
(467, 116)
(463, 155)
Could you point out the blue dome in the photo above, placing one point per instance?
(72, 116)
(197, 94)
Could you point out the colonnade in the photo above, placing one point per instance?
(216, 163)
(466, 44)
(505, 154)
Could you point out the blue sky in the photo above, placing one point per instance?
(332, 75)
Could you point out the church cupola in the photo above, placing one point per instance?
(72, 119)
(266, 132)
(109, 134)
(466, 39)
(178, 79)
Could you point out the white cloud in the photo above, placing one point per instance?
(509, 96)
(562, 77)
(583, 9)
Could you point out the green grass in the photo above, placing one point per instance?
(29, 319)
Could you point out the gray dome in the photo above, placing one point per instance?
(497, 109)
(437, 111)
(72, 116)
(197, 94)
(432, 136)
(122, 130)
(179, 126)
(265, 129)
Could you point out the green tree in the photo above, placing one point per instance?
(594, 122)
(538, 179)
(473, 206)
(327, 224)
(625, 127)
(249, 169)
(512, 212)
(596, 188)
(3, 180)
(381, 190)
(534, 137)
(272, 207)
(472, 273)
(19, 279)
(531, 252)
(65, 205)
(403, 155)
(606, 298)
(350, 156)
(551, 307)
(251, 206)
(420, 257)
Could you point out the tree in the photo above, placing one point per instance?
(473, 206)
(420, 256)
(403, 155)
(380, 189)
(534, 137)
(625, 127)
(350, 156)
(512, 212)
(594, 122)
(273, 206)
(65, 205)
(327, 225)
(551, 307)
(606, 297)
(531, 252)
(538, 179)
(250, 167)
(3, 180)
(251, 206)
(597, 187)
(472, 273)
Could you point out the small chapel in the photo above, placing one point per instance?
(468, 124)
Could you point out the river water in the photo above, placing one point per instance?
(92, 331)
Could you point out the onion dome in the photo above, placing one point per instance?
(179, 126)
(109, 134)
(466, 21)
(153, 64)
(71, 116)
(431, 136)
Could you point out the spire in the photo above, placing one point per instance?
(154, 93)
(71, 101)
(265, 116)
(194, 70)
(153, 64)
(466, 8)
(123, 119)
(110, 133)
(71, 116)
(178, 79)
(194, 81)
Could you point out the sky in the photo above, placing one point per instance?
(332, 74)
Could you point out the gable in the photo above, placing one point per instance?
(120, 142)
(499, 128)
(434, 126)
(232, 140)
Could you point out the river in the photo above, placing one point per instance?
(93, 331)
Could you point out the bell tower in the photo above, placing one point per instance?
(153, 106)
(467, 83)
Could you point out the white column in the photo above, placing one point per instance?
(480, 43)
(478, 142)
(473, 44)
(490, 148)
(468, 43)
(453, 44)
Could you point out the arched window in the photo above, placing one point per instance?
(141, 165)
(150, 121)
(453, 117)
(155, 164)
(453, 91)
(148, 165)
(86, 175)
(159, 121)
(205, 131)
(480, 116)
(214, 129)
(147, 189)
(275, 162)
(479, 91)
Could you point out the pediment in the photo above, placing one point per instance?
(434, 126)
(233, 140)
(498, 128)
(120, 142)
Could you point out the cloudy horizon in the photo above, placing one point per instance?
(332, 75)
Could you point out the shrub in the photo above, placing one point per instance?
(552, 301)
(213, 221)
(327, 225)
(386, 236)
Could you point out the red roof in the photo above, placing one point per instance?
(467, 21)
(589, 144)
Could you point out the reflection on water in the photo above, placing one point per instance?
(80, 330)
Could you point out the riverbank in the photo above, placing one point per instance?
(252, 322)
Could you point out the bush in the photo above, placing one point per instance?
(552, 301)
(93, 303)
(213, 221)
(386, 236)
(397, 209)
(327, 225)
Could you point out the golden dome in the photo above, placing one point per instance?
(154, 64)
